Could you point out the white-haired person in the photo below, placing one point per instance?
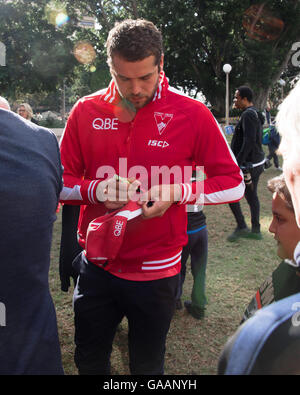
(288, 124)
(25, 111)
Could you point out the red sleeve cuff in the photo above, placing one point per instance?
(186, 193)
(89, 191)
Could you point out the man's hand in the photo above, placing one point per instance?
(117, 191)
(158, 199)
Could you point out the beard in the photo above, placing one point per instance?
(141, 100)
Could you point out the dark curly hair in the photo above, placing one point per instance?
(246, 92)
(134, 40)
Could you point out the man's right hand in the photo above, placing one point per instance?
(116, 191)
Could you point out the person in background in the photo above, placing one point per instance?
(268, 113)
(246, 145)
(279, 350)
(25, 111)
(69, 247)
(31, 181)
(274, 347)
(273, 144)
(285, 279)
(196, 248)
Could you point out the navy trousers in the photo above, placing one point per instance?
(272, 154)
(101, 300)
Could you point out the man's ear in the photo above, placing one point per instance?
(161, 63)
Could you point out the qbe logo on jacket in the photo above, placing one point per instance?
(118, 228)
(105, 124)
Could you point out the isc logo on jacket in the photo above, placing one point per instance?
(158, 143)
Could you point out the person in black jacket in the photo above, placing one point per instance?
(246, 145)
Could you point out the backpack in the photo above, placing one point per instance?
(271, 136)
(261, 117)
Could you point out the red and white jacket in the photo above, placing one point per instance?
(172, 131)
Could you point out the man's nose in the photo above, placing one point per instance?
(135, 87)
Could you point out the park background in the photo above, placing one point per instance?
(53, 52)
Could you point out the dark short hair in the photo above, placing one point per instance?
(278, 185)
(246, 92)
(134, 40)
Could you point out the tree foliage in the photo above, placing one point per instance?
(37, 54)
(200, 36)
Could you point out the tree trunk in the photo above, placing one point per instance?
(218, 106)
(261, 98)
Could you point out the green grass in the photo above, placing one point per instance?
(234, 272)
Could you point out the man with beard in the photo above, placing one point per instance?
(125, 150)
